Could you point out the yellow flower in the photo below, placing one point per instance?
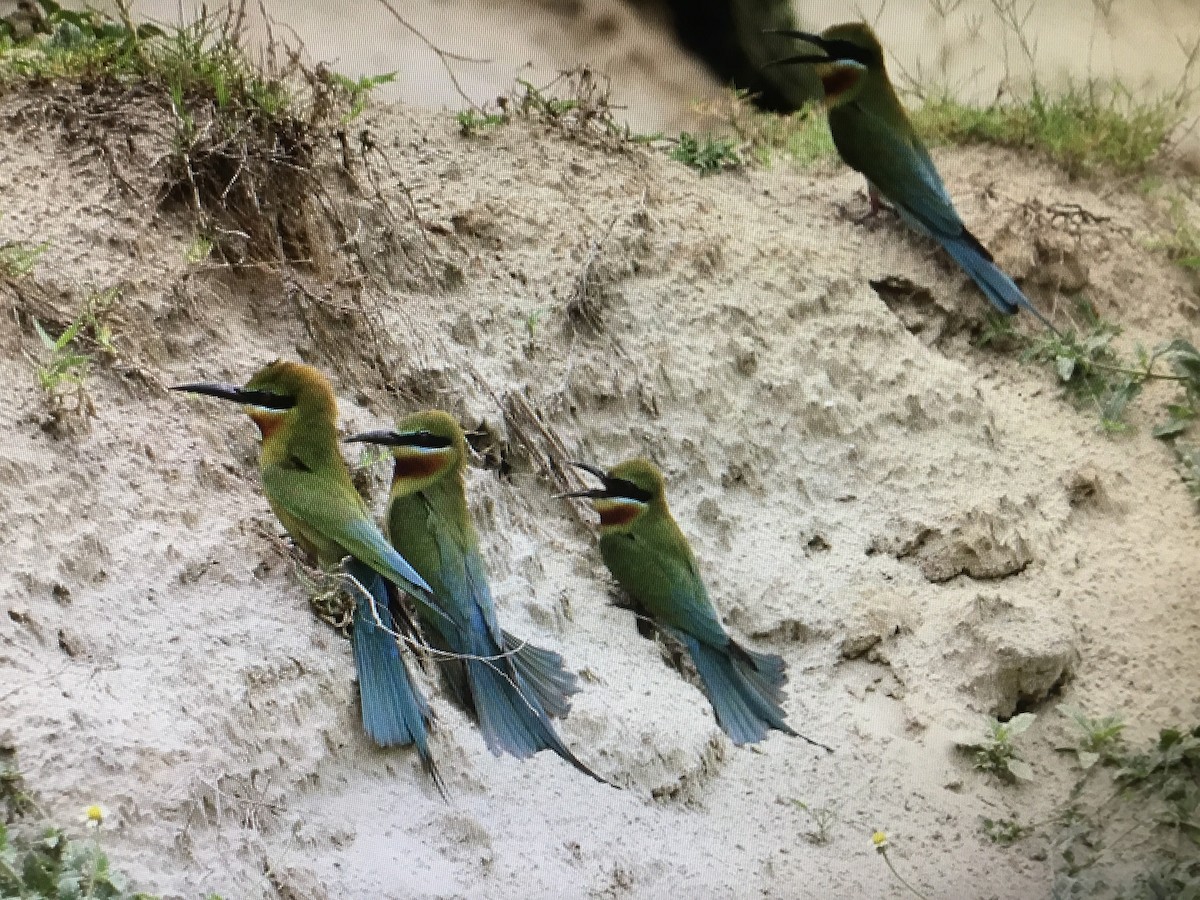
(94, 815)
(879, 839)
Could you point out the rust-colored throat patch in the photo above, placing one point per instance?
(837, 79)
(419, 462)
(618, 511)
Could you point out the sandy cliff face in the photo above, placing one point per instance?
(924, 530)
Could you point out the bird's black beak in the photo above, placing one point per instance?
(815, 39)
(385, 438)
(594, 470)
(422, 440)
(804, 58)
(232, 392)
(593, 493)
(224, 391)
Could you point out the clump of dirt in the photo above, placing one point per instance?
(923, 530)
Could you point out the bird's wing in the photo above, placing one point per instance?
(462, 574)
(899, 167)
(672, 590)
(338, 515)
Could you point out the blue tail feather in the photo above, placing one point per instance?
(393, 711)
(510, 712)
(767, 671)
(543, 672)
(1000, 290)
(746, 711)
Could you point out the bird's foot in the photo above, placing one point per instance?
(875, 208)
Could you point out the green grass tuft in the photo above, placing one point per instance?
(244, 126)
(1088, 130)
(997, 753)
(18, 259)
(44, 861)
(706, 153)
(1129, 827)
(67, 358)
(801, 137)
(1093, 372)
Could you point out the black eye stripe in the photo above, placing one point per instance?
(423, 439)
(848, 50)
(619, 487)
(267, 400)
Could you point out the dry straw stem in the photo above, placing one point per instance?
(444, 56)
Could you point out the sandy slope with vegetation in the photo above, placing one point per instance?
(973, 49)
(924, 528)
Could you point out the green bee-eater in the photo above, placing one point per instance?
(652, 561)
(308, 486)
(511, 686)
(874, 136)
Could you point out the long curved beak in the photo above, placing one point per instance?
(594, 470)
(386, 438)
(213, 389)
(592, 493)
(235, 394)
(804, 58)
(815, 39)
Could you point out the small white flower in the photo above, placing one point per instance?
(879, 839)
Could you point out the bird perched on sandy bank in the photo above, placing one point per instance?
(874, 136)
(309, 488)
(651, 560)
(512, 687)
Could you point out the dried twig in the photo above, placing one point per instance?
(579, 307)
(443, 56)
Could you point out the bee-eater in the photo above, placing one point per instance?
(874, 136)
(511, 687)
(651, 560)
(308, 486)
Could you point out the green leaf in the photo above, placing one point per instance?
(1065, 366)
(373, 81)
(68, 335)
(1185, 360)
(1087, 759)
(1172, 428)
(69, 885)
(1075, 714)
(1168, 738)
(1019, 724)
(46, 339)
(1020, 769)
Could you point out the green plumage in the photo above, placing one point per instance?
(308, 487)
(874, 135)
(511, 687)
(655, 564)
(650, 558)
